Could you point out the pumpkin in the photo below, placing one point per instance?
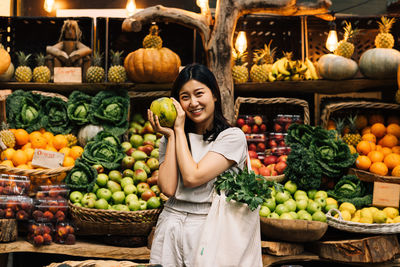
(380, 63)
(152, 65)
(334, 67)
(5, 60)
(88, 132)
(6, 76)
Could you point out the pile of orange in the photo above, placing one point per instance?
(379, 150)
(21, 155)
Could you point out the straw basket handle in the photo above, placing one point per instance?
(329, 213)
(276, 100)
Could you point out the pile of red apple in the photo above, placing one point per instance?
(251, 124)
(15, 207)
(270, 166)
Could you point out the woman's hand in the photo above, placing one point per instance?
(155, 123)
(180, 115)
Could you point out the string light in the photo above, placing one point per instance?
(130, 7)
(48, 5)
(241, 42)
(332, 40)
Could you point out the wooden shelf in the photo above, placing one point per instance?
(316, 86)
(81, 248)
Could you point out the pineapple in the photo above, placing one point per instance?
(95, 73)
(116, 73)
(72, 140)
(385, 39)
(353, 137)
(240, 73)
(6, 136)
(345, 48)
(41, 74)
(263, 59)
(152, 40)
(339, 128)
(23, 73)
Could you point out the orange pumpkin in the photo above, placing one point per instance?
(152, 65)
(5, 60)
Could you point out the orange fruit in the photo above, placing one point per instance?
(65, 150)
(19, 157)
(378, 148)
(49, 136)
(393, 119)
(68, 161)
(366, 130)
(363, 163)
(396, 149)
(378, 129)
(392, 160)
(394, 129)
(59, 141)
(386, 151)
(29, 164)
(369, 137)
(379, 168)
(396, 171)
(50, 148)
(364, 147)
(27, 145)
(33, 135)
(29, 153)
(23, 166)
(388, 140)
(75, 152)
(38, 141)
(376, 156)
(361, 122)
(7, 163)
(21, 137)
(7, 154)
(376, 118)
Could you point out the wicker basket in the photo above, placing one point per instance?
(111, 222)
(371, 177)
(361, 228)
(38, 177)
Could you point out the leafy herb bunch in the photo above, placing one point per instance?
(244, 187)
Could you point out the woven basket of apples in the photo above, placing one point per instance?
(265, 122)
(371, 129)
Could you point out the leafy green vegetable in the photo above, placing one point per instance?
(110, 110)
(23, 109)
(81, 177)
(244, 187)
(104, 136)
(103, 153)
(54, 116)
(78, 107)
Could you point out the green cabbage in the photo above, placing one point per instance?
(78, 107)
(54, 115)
(81, 177)
(104, 154)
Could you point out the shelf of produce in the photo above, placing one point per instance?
(315, 86)
(66, 88)
(80, 248)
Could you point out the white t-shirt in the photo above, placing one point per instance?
(230, 143)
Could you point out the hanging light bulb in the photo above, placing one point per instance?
(241, 42)
(48, 5)
(332, 40)
(131, 7)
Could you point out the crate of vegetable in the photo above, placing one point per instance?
(371, 129)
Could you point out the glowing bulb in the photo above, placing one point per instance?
(203, 4)
(332, 41)
(131, 7)
(48, 5)
(241, 42)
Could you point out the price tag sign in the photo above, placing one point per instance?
(386, 195)
(67, 75)
(47, 159)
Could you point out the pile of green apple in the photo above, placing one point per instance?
(293, 204)
(134, 186)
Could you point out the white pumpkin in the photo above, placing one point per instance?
(334, 67)
(380, 63)
(6, 76)
(87, 132)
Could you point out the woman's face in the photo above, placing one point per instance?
(198, 102)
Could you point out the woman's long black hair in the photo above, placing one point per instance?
(202, 74)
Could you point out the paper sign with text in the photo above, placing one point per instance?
(47, 159)
(386, 195)
(67, 75)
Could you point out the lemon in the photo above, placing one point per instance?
(391, 212)
(379, 216)
(366, 220)
(330, 201)
(346, 215)
(347, 206)
(373, 210)
(396, 219)
(388, 220)
(366, 213)
(355, 219)
(357, 214)
(336, 215)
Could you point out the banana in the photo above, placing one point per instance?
(280, 77)
(302, 68)
(274, 68)
(282, 66)
(312, 69)
(295, 77)
(271, 77)
(307, 74)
